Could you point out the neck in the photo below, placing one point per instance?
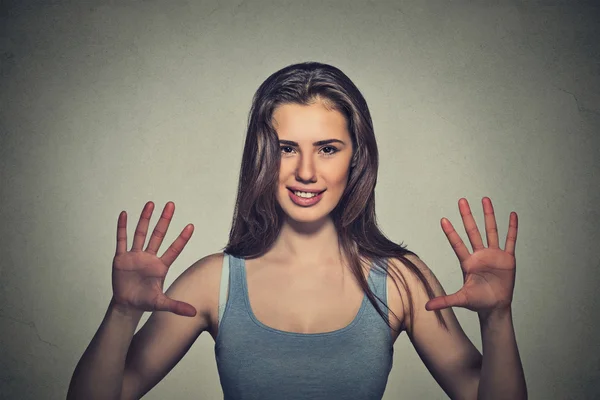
(307, 243)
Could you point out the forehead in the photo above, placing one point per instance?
(311, 122)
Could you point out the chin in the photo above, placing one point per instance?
(306, 219)
(306, 216)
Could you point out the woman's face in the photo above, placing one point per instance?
(316, 151)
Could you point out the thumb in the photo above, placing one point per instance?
(164, 303)
(457, 299)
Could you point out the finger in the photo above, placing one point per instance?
(161, 228)
(491, 230)
(456, 242)
(142, 227)
(470, 224)
(511, 236)
(164, 303)
(121, 233)
(177, 246)
(457, 299)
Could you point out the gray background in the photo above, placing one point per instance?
(106, 105)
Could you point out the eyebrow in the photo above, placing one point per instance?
(319, 143)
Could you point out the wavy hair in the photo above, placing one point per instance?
(258, 218)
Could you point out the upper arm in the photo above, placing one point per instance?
(165, 338)
(448, 354)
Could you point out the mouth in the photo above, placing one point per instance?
(305, 199)
(305, 194)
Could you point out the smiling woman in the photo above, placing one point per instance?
(308, 297)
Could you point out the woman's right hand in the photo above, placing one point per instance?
(138, 275)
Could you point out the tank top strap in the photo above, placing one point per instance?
(378, 279)
(234, 304)
(236, 276)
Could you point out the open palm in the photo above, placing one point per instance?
(488, 273)
(138, 275)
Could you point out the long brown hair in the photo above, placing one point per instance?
(258, 218)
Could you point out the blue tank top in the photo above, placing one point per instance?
(256, 361)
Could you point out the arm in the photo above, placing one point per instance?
(452, 359)
(119, 365)
(489, 277)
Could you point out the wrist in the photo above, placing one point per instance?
(495, 314)
(125, 311)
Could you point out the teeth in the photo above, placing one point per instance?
(305, 194)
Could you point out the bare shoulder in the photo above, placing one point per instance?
(412, 280)
(402, 266)
(203, 278)
(207, 265)
(404, 284)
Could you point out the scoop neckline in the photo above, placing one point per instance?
(253, 317)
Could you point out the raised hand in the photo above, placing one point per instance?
(488, 273)
(138, 275)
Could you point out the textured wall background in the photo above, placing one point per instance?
(106, 105)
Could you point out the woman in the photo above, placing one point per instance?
(304, 249)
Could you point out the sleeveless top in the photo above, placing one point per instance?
(256, 361)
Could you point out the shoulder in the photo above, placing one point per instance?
(407, 285)
(201, 281)
(207, 265)
(205, 269)
(412, 277)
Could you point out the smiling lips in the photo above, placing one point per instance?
(305, 197)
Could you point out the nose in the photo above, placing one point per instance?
(305, 171)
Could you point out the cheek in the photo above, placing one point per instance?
(340, 180)
(341, 174)
(284, 172)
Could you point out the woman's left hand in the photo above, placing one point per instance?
(488, 273)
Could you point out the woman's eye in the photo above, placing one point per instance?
(286, 149)
(329, 150)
